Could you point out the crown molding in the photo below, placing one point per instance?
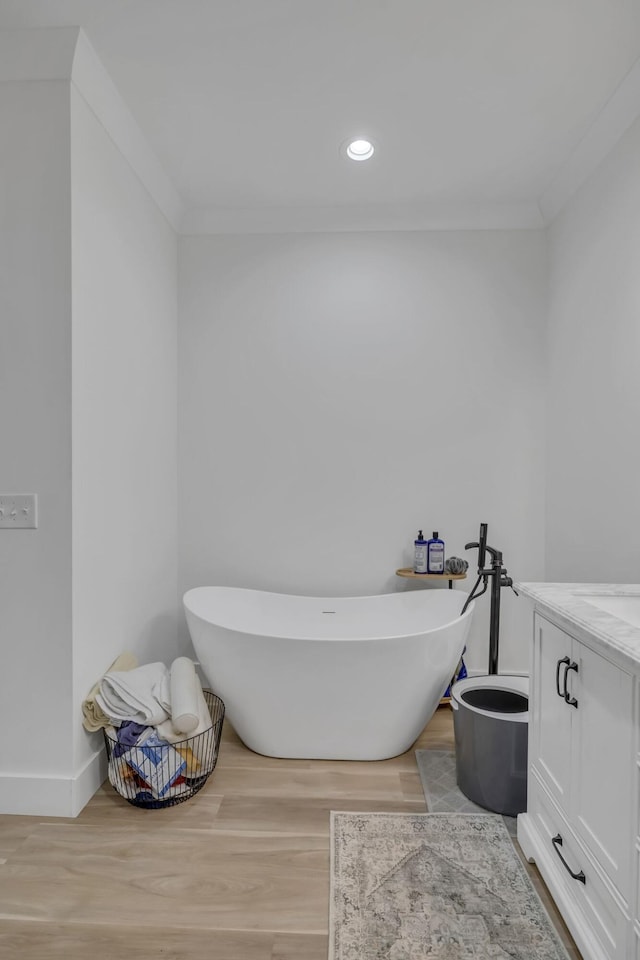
(614, 119)
(351, 218)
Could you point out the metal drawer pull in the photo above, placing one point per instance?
(557, 843)
(566, 661)
(569, 699)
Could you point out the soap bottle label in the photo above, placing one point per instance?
(436, 558)
(420, 562)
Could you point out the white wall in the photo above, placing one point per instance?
(336, 392)
(124, 415)
(593, 517)
(35, 451)
(88, 380)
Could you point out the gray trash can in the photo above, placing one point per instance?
(491, 729)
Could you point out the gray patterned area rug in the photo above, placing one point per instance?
(437, 769)
(432, 885)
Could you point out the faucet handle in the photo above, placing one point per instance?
(506, 581)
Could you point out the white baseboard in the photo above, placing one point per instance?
(51, 796)
(88, 780)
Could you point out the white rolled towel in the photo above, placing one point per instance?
(141, 695)
(185, 696)
(201, 746)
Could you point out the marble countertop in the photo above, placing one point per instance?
(568, 605)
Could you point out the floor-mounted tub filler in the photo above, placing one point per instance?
(491, 713)
(350, 678)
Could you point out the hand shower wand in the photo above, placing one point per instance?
(482, 574)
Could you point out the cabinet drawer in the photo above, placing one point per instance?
(596, 905)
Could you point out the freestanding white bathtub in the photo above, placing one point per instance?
(353, 678)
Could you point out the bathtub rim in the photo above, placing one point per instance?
(284, 636)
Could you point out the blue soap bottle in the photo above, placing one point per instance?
(435, 554)
(420, 554)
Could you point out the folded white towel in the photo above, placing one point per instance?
(93, 717)
(141, 695)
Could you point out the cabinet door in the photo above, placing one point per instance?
(603, 763)
(551, 717)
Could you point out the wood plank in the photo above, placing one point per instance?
(20, 939)
(14, 830)
(237, 880)
(332, 782)
(308, 815)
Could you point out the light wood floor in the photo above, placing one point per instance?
(239, 872)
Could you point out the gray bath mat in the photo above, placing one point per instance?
(437, 769)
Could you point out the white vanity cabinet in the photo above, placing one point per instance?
(581, 825)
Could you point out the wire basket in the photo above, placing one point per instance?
(164, 774)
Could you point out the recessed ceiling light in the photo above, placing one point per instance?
(360, 150)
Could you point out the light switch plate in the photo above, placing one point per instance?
(18, 511)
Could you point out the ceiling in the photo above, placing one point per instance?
(246, 102)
